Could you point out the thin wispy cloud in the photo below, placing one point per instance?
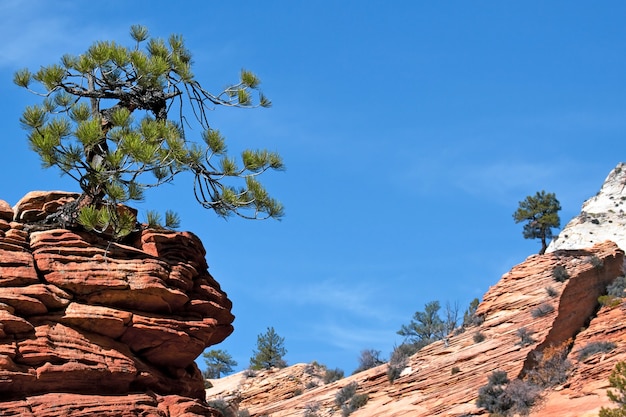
(347, 336)
(360, 300)
(40, 32)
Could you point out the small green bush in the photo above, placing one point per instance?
(332, 375)
(526, 337)
(399, 359)
(502, 397)
(595, 262)
(313, 368)
(609, 300)
(356, 402)
(349, 400)
(592, 348)
(222, 406)
(559, 273)
(455, 370)
(551, 292)
(478, 337)
(312, 409)
(345, 393)
(617, 287)
(311, 385)
(542, 310)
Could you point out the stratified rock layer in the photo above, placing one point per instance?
(443, 378)
(106, 328)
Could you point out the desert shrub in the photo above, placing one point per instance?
(542, 310)
(243, 413)
(311, 385)
(552, 366)
(617, 381)
(559, 273)
(525, 336)
(617, 287)
(312, 409)
(399, 359)
(356, 402)
(207, 384)
(346, 393)
(551, 292)
(369, 358)
(503, 397)
(222, 406)
(478, 337)
(249, 373)
(595, 261)
(609, 300)
(332, 375)
(592, 348)
(348, 399)
(312, 368)
(491, 396)
(297, 391)
(455, 370)
(522, 396)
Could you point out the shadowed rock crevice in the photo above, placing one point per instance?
(578, 303)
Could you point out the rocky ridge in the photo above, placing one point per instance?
(443, 378)
(93, 327)
(602, 217)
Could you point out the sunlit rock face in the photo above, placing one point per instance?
(603, 217)
(104, 327)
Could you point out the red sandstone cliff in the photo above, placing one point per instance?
(89, 327)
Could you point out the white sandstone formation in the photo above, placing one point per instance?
(603, 217)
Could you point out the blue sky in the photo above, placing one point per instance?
(410, 131)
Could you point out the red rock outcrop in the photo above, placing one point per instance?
(93, 327)
(443, 378)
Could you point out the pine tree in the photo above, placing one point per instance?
(617, 381)
(269, 352)
(425, 327)
(104, 122)
(541, 214)
(218, 362)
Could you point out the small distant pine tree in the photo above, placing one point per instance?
(469, 317)
(617, 381)
(541, 214)
(425, 327)
(218, 362)
(269, 352)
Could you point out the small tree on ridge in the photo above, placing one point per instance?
(218, 362)
(269, 351)
(541, 214)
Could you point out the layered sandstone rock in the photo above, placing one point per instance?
(443, 378)
(603, 217)
(102, 327)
